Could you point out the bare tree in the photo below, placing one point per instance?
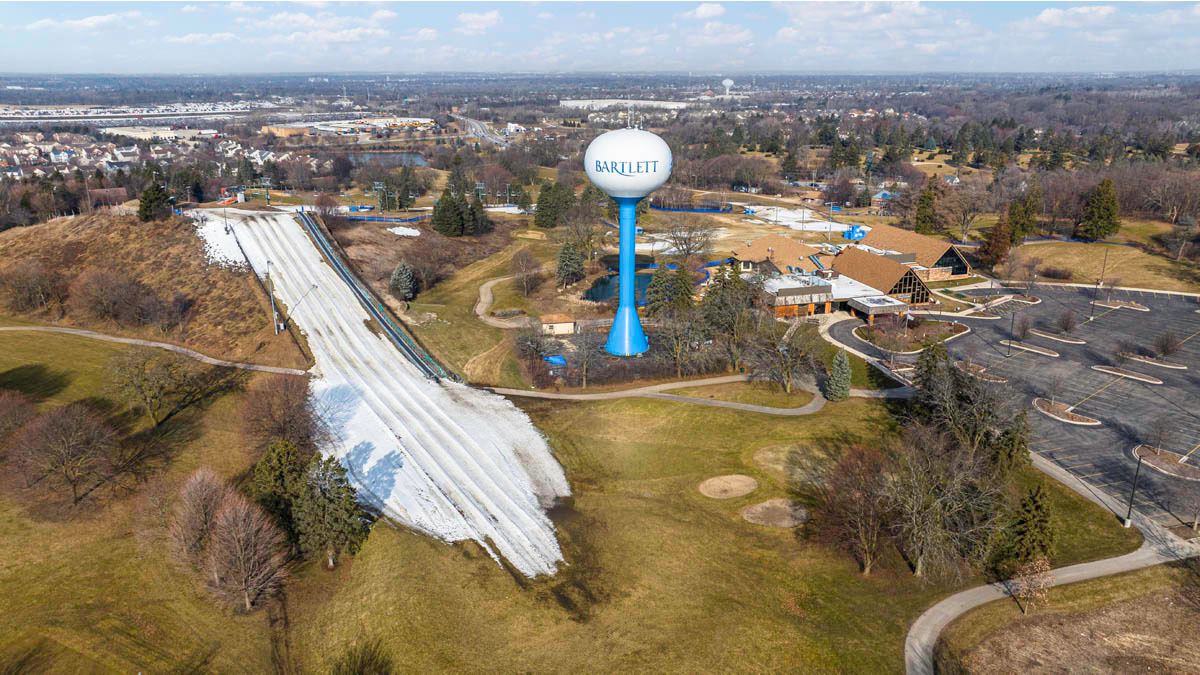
(780, 355)
(1054, 386)
(589, 348)
(531, 344)
(963, 205)
(190, 529)
(1167, 344)
(151, 379)
(1068, 321)
(582, 228)
(29, 286)
(1023, 327)
(68, 443)
(15, 411)
(690, 237)
(852, 511)
(681, 334)
(280, 408)
(525, 269)
(1109, 287)
(1027, 270)
(1187, 496)
(245, 559)
(1174, 194)
(1032, 583)
(1161, 428)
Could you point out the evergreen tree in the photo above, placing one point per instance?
(521, 198)
(328, 517)
(277, 479)
(154, 204)
(926, 219)
(682, 294)
(658, 293)
(446, 219)
(547, 206)
(995, 248)
(838, 386)
(1101, 213)
(788, 167)
(403, 282)
(479, 221)
(1033, 532)
(570, 265)
(1011, 450)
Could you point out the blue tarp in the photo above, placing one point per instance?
(384, 219)
(556, 360)
(724, 209)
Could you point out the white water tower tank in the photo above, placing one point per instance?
(628, 162)
(728, 85)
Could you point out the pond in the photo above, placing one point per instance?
(388, 159)
(605, 288)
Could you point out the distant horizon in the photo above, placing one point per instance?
(252, 38)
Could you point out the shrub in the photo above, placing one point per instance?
(1060, 273)
(1167, 344)
(29, 286)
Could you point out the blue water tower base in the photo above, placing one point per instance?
(626, 338)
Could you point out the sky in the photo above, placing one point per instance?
(708, 37)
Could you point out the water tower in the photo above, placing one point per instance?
(728, 85)
(627, 164)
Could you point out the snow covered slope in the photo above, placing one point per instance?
(446, 459)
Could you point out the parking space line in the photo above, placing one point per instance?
(1114, 381)
(1093, 475)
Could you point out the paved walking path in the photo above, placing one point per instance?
(486, 298)
(656, 391)
(1159, 546)
(159, 345)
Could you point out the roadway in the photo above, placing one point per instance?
(480, 130)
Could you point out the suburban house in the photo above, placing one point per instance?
(893, 278)
(557, 324)
(776, 254)
(882, 199)
(932, 259)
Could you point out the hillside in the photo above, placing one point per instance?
(229, 313)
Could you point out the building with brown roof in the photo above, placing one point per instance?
(776, 254)
(936, 259)
(892, 278)
(557, 324)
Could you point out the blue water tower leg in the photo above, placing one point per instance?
(627, 337)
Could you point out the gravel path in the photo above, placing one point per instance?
(158, 345)
(486, 298)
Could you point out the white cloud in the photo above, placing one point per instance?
(635, 51)
(383, 15)
(243, 8)
(200, 38)
(291, 21)
(706, 10)
(473, 23)
(787, 34)
(717, 33)
(189, 9)
(426, 35)
(326, 35)
(88, 23)
(1074, 17)
(587, 15)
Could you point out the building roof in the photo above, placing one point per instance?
(927, 250)
(882, 194)
(776, 248)
(557, 318)
(873, 270)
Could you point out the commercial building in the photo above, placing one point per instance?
(932, 259)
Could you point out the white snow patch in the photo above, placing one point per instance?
(504, 209)
(405, 231)
(445, 459)
(220, 247)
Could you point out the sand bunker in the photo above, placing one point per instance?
(727, 487)
(778, 512)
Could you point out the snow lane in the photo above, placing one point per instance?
(452, 461)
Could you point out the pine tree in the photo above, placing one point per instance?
(1033, 532)
(403, 282)
(521, 198)
(570, 265)
(926, 220)
(328, 517)
(154, 203)
(682, 293)
(480, 223)
(445, 215)
(277, 479)
(788, 167)
(1101, 213)
(1020, 221)
(658, 293)
(994, 250)
(838, 386)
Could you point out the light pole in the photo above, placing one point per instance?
(1133, 492)
(271, 293)
(302, 298)
(1096, 290)
(1012, 329)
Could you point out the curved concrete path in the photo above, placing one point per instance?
(1159, 546)
(486, 298)
(656, 391)
(158, 345)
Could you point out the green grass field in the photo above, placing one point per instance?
(753, 393)
(85, 594)
(658, 577)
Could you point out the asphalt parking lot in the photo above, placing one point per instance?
(1101, 456)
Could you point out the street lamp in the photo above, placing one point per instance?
(1133, 492)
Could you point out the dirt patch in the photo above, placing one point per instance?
(1131, 374)
(1167, 462)
(779, 460)
(728, 487)
(1150, 634)
(484, 368)
(778, 512)
(1062, 412)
